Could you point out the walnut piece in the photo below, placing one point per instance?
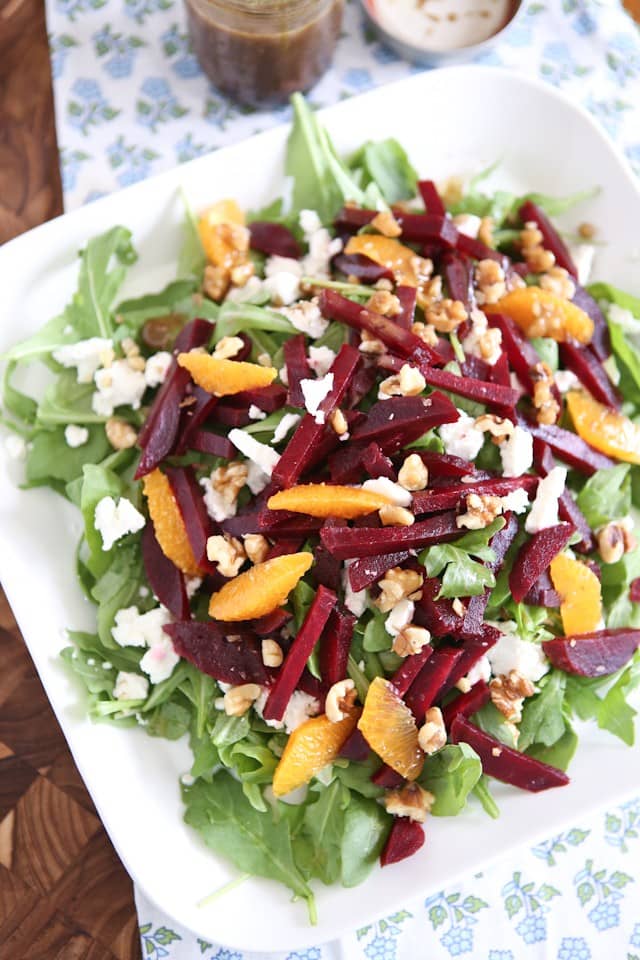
(340, 699)
(558, 281)
(338, 422)
(413, 474)
(485, 231)
(386, 224)
(408, 383)
(227, 552)
(410, 640)
(228, 347)
(237, 700)
(215, 282)
(228, 481)
(616, 539)
(371, 344)
(546, 406)
(490, 281)
(256, 547)
(482, 509)
(410, 801)
(396, 585)
(426, 332)
(537, 258)
(508, 694)
(446, 315)
(393, 516)
(120, 434)
(499, 427)
(272, 655)
(384, 302)
(432, 735)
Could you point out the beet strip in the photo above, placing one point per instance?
(506, 764)
(431, 680)
(387, 777)
(297, 364)
(335, 645)
(355, 747)
(274, 239)
(434, 501)
(166, 581)
(192, 416)
(346, 542)
(376, 464)
(535, 556)
(569, 447)
(445, 465)
(542, 594)
(204, 441)
(568, 509)
(473, 650)
(197, 523)
(407, 297)
(458, 275)
(466, 704)
(300, 449)
(521, 353)
(427, 228)
(368, 570)
(431, 198)
(336, 307)
(590, 372)
(551, 240)
(477, 250)
(405, 838)
(410, 416)
(362, 268)
(409, 669)
(437, 615)
(601, 341)
(291, 670)
(205, 646)
(594, 654)
(491, 394)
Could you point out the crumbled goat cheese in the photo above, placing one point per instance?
(159, 660)
(517, 501)
(460, 438)
(118, 386)
(624, 318)
(255, 413)
(135, 629)
(354, 600)
(218, 507)
(156, 368)
(283, 279)
(516, 453)
(314, 393)
(469, 224)
(306, 317)
(583, 255)
(321, 245)
(511, 652)
(86, 356)
(288, 421)
(473, 342)
(130, 686)
(321, 359)
(282, 373)
(544, 512)
(115, 520)
(565, 380)
(259, 453)
(257, 479)
(400, 616)
(275, 265)
(15, 446)
(301, 706)
(75, 436)
(251, 288)
(309, 222)
(192, 585)
(387, 488)
(481, 670)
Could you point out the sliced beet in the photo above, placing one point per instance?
(284, 547)
(409, 669)
(159, 431)
(542, 594)
(499, 372)
(279, 524)
(500, 544)
(242, 524)
(458, 275)
(431, 198)
(192, 416)
(505, 764)
(166, 581)
(336, 307)
(274, 239)
(206, 647)
(445, 465)
(570, 448)
(427, 686)
(300, 448)
(361, 267)
(363, 573)
(387, 777)
(551, 240)
(590, 372)
(600, 341)
(427, 228)
(345, 464)
(355, 747)
(204, 441)
(335, 645)
(376, 464)
(198, 524)
(297, 364)
(438, 616)
(466, 704)
(491, 394)
(271, 622)
(352, 218)
(291, 670)
(362, 382)
(410, 416)
(477, 250)
(326, 569)
(475, 368)
(535, 556)
(594, 654)
(229, 416)
(568, 509)
(346, 542)
(269, 399)
(433, 501)
(473, 650)
(405, 838)
(407, 297)
(634, 590)
(521, 353)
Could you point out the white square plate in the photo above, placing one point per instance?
(458, 121)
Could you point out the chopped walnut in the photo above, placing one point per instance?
(446, 315)
(256, 547)
(616, 539)
(426, 332)
(228, 481)
(264, 360)
(413, 474)
(386, 224)
(129, 347)
(537, 258)
(371, 344)
(508, 694)
(432, 736)
(544, 401)
(451, 191)
(136, 362)
(237, 700)
(499, 427)
(227, 552)
(408, 383)
(384, 302)
(338, 422)
(558, 281)
(458, 607)
(485, 231)
(546, 320)
(120, 434)
(396, 585)
(393, 516)
(482, 509)
(241, 273)
(490, 281)
(410, 640)
(272, 655)
(382, 284)
(429, 292)
(215, 282)
(410, 801)
(340, 699)
(228, 347)
(587, 231)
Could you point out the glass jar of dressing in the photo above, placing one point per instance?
(259, 52)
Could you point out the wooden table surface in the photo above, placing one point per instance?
(64, 894)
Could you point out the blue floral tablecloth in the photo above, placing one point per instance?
(131, 101)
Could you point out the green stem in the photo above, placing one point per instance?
(222, 891)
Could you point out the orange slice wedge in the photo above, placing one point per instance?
(540, 313)
(389, 728)
(225, 377)
(168, 523)
(579, 589)
(259, 590)
(325, 500)
(313, 745)
(604, 429)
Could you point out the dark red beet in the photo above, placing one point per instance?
(410, 416)
(376, 464)
(228, 415)
(431, 198)
(521, 353)
(273, 239)
(634, 590)
(335, 646)
(159, 431)
(242, 524)
(466, 704)
(326, 569)
(542, 594)
(477, 250)
(204, 441)
(491, 394)
(192, 416)
(346, 542)
(551, 240)
(285, 547)
(458, 275)
(474, 648)
(206, 647)
(475, 369)
(387, 778)
(427, 228)
(601, 341)
(594, 654)
(362, 573)
(409, 669)
(438, 616)
(506, 764)
(297, 364)
(345, 465)
(590, 372)
(433, 501)
(355, 747)
(270, 623)
(500, 543)
(197, 522)
(166, 581)
(568, 509)
(499, 372)
(278, 524)
(336, 307)
(361, 267)
(407, 297)
(428, 685)
(570, 448)
(535, 556)
(362, 382)
(299, 451)
(353, 218)
(445, 465)
(269, 399)
(291, 670)
(405, 839)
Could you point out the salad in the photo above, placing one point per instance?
(356, 491)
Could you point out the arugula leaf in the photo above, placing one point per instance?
(386, 164)
(255, 842)
(236, 318)
(375, 636)
(542, 715)
(556, 206)
(89, 312)
(463, 576)
(97, 483)
(611, 711)
(606, 495)
(67, 401)
(616, 580)
(118, 587)
(547, 350)
(171, 720)
(357, 776)
(482, 792)
(450, 775)
(191, 259)
(606, 291)
(51, 336)
(627, 362)
(324, 822)
(176, 298)
(51, 458)
(17, 403)
(558, 754)
(489, 719)
(366, 829)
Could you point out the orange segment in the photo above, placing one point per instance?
(216, 231)
(225, 377)
(389, 253)
(388, 726)
(609, 432)
(313, 745)
(325, 500)
(579, 589)
(168, 523)
(261, 589)
(540, 313)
